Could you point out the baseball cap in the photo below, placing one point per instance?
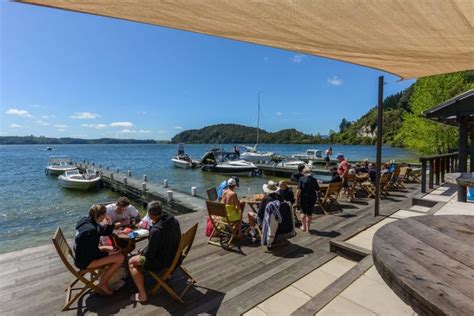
(231, 182)
(339, 155)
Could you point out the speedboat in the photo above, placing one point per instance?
(292, 164)
(59, 164)
(311, 154)
(182, 160)
(74, 180)
(227, 163)
(49, 148)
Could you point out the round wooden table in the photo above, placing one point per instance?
(428, 261)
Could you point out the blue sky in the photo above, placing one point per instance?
(69, 74)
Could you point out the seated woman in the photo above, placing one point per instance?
(232, 204)
(88, 253)
(270, 189)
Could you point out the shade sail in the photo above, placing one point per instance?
(409, 38)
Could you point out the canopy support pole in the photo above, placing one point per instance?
(471, 154)
(379, 146)
(463, 148)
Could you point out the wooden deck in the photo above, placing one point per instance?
(229, 282)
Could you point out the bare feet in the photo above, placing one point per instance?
(105, 288)
(136, 298)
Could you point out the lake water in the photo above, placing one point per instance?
(34, 204)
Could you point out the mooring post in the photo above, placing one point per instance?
(144, 186)
(100, 166)
(124, 180)
(111, 176)
(193, 191)
(165, 183)
(170, 196)
(117, 170)
(129, 173)
(145, 178)
(107, 168)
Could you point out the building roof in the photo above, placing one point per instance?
(449, 111)
(409, 38)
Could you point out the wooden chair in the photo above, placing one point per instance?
(184, 247)
(212, 194)
(414, 175)
(369, 187)
(351, 180)
(330, 196)
(86, 276)
(222, 226)
(400, 180)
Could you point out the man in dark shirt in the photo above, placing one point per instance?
(163, 243)
(372, 172)
(306, 197)
(295, 177)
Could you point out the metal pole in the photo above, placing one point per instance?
(463, 151)
(379, 146)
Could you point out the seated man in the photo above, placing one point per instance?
(121, 212)
(270, 189)
(224, 186)
(163, 243)
(334, 176)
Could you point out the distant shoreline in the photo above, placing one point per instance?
(50, 141)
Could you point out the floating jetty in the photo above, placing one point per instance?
(272, 170)
(139, 189)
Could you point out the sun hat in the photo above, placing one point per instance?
(270, 187)
(231, 182)
(340, 155)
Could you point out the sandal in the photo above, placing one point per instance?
(136, 298)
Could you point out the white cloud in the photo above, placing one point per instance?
(96, 126)
(60, 125)
(279, 113)
(42, 123)
(18, 112)
(61, 130)
(335, 81)
(178, 127)
(135, 131)
(122, 124)
(297, 59)
(15, 126)
(84, 116)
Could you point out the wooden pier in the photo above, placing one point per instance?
(140, 189)
(32, 281)
(285, 172)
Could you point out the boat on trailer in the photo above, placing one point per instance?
(73, 179)
(59, 164)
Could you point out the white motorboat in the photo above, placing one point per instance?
(49, 148)
(227, 163)
(59, 164)
(310, 154)
(74, 180)
(182, 160)
(293, 164)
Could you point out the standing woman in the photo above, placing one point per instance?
(88, 253)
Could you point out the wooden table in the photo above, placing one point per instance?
(123, 241)
(428, 261)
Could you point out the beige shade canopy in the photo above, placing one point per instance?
(409, 38)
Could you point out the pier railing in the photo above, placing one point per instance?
(436, 166)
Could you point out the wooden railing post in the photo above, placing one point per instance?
(423, 175)
(431, 176)
(443, 168)
(437, 170)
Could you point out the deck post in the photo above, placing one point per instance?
(430, 182)
(443, 168)
(129, 173)
(423, 176)
(437, 169)
(463, 148)
(379, 146)
(471, 154)
(125, 180)
(145, 178)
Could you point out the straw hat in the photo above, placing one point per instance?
(270, 187)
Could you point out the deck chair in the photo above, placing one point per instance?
(414, 175)
(351, 182)
(330, 196)
(184, 247)
(400, 180)
(369, 187)
(86, 276)
(222, 226)
(212, 194)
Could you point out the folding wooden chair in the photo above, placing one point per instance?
(402, 175)
(222, 226)
(86, 276)
(212, 194)
(414, 175)
(351, 180)
(369, 187)
(330, 196)
(184, 247)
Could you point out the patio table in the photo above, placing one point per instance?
(428, 261)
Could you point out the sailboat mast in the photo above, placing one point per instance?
(258, 118)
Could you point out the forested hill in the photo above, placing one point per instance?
(240, 134)
(23, 140)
